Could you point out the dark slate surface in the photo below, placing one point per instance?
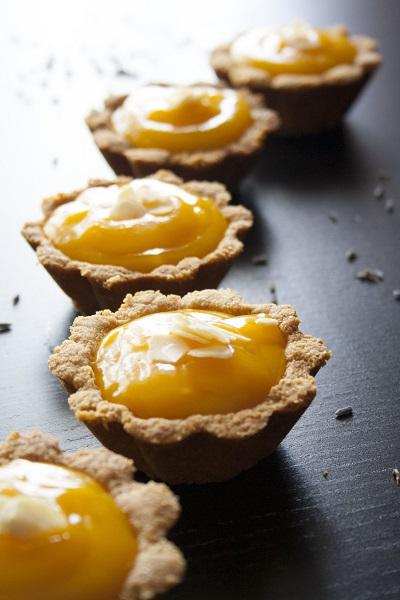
(281, 531)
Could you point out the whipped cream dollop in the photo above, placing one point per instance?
(22, 516)
(262, 43)
(28, 493)
(161, 340)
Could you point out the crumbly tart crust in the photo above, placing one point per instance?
(306, 104)
(151, 508)
(92, 287)
(228, 164)
(200, 448)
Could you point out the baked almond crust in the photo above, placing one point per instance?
(152, 508)
(306, 104)
(92, 287)
(200, 448)
(228, 164)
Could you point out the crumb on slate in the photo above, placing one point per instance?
(333, 218)
(396, 295)
(325, 473)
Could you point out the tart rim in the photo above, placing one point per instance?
(152, 509)
(107, 140)
(367, 59)
(71, 363)
(239, 220)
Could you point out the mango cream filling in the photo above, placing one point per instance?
(188, 362)
(297, 48)
(182, 119)
(141, 225)
(62, 536)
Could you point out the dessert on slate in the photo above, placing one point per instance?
(201, 131)
(194, 389)
(76, 526)
(128, 235)
(309, 75)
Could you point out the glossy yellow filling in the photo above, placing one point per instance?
(62, 537)
(140, 226)
(182, 119)
(182, 363)
(297, 48)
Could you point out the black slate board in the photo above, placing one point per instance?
(282, 530)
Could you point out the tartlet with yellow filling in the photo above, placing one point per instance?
(310, 76)
(127, 235)
(200, 131)
(194, 389)
(76, 526)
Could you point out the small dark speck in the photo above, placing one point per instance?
(344, 413)
(325, 473)
(351, 255)
(379, 191)
(272, 291)
(23, 98)
(16, 300)
(370, 275)
(120, 72)
(333, 218)
(54, 162)
(389, 205)
(259, 259)
(4, 327)
(396, 295)
(96, 67)
(396, 476)
(50, 63)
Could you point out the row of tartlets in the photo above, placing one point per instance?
(192, 383)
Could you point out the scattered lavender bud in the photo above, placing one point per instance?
(344, 413)
(396, 295)
(389, 205)
(379, 191)
(351, 255)
(396, 476)
(370, 275)
(259, 259)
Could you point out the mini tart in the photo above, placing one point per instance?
(198, 448)
(151, 508)
(307, 103)
(95, 286)
(228, 163)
